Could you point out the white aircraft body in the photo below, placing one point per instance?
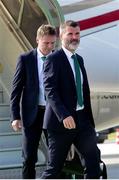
(99, 46)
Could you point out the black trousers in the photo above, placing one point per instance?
(31, 137)
(84, 138)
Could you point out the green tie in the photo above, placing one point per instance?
(78, 80)
(43, 58)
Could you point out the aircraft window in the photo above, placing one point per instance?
(13, 6)
(32, 18)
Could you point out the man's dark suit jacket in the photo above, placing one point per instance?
(25, 89)
(60, 91)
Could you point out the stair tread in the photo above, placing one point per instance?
(11, 149)
(4, 118)
(19, 165)
(11, 166)
(4, 104)
(10, 133)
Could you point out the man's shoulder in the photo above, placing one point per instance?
(56, 53)
(29, 53)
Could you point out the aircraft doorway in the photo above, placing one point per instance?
(29, 15)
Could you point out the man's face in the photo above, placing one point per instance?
(71, 38)
(46, 44)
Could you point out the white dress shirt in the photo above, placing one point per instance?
(41, 99)
(69, 54)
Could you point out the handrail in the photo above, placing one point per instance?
(48, 15)
(20, 13)
(59, 10)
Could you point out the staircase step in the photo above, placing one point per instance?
(5, 125)
(9, 140)
(12, 157)
(16, 172)
(4, 110)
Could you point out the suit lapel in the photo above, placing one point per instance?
(35, 67)
(85, 81)
(66, 63)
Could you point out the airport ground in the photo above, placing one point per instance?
(110, 155)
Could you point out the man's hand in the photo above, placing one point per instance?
(17, 125)
(69, 123)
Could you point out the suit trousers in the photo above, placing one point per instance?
(84, 138)
(31, 137)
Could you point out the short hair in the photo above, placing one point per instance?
(46, 29)
(69, 23)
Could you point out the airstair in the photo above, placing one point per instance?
(10, 145)
(19, 21)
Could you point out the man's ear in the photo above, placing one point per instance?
(60, 35)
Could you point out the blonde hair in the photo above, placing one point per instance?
(46, 30)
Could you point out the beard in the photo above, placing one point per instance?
(73, 44)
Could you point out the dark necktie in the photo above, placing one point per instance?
(78, 80)
(43, 58)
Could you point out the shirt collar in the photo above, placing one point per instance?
(40, 54)
(67, 52)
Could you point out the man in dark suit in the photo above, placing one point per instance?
(28, 93)
(68, 116)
